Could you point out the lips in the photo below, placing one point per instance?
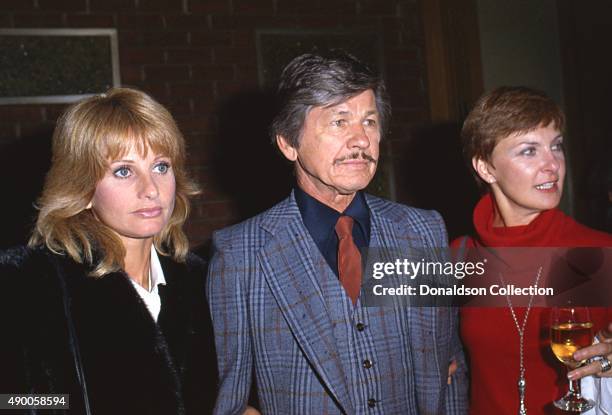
(152, 212)
(547, 186)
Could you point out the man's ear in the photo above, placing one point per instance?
(287, 149)
(484, 170)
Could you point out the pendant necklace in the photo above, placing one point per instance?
(521, 384)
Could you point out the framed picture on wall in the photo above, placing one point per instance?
(56, 65)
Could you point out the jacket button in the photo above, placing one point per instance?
(360, 326)
(371, 403)
(367, 364)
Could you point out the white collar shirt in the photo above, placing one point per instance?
(151, 297)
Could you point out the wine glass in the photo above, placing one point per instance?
(571, 329)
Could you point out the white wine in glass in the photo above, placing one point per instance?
(571, 329)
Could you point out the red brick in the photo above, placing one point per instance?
(247, 73)
(213, 72)
(17, 5)
(226, 89)
(202, 157)
(131, 74)
(410, 116)
(377, 7)
(192, 123)
(410, 98)
(197, 142)
(112, 5)
(401, 71)
(217, 210)
(155, 38)
(243, 38)
(166, 73)
(161, 5)
(209, 6)
(146, 55)
(189, 55)
(8, 132)
(360, 22)
(17, 113)
(29, 129)
(234, 55)
(251, 22)
(181, 106)
(53, 112)
(38, 20)
(254, 7)
(63, 5)
(145, 21)
(203, 105)
(157, 90)
(6, 20)
(208, 38)
(317, 22)
(408, 8)
(299, 7)
(319, 7)
(202, 231)
(90, 20)
(402, 54)
(186, 21)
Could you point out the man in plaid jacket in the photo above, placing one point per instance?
(277, 304)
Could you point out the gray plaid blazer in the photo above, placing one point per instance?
(270, 317)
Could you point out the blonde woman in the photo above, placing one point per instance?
(106, 304)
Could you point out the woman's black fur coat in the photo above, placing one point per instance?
(131, 365)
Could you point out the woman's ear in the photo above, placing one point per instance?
(287, 149)
(484, 169)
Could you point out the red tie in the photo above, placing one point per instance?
(349, 258)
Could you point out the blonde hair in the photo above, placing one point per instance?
(87, 135)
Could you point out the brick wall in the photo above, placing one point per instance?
(198, 57)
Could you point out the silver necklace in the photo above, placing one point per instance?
(521, 384)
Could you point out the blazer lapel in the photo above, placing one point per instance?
(175, 316)
(290, 273)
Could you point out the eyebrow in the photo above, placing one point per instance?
(132, 161)
(537, 143)
(344, 112)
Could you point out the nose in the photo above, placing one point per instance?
(358, 137)
(553, 161)
(148, 187)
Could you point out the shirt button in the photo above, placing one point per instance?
(371, 403)
(360, 326)
(367, 364)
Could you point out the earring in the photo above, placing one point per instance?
(89, 205)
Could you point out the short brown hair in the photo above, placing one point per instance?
(87, 135)
(503, 112)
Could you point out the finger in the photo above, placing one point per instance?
(452, 368)
(599, 349)
(606, 334)
(587, 370)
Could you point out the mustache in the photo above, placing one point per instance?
(356, 156)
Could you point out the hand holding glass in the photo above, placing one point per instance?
(571, 329)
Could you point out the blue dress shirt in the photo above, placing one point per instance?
(320, 221)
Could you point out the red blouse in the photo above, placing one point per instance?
(490, 336)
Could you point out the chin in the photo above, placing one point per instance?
(352, 186)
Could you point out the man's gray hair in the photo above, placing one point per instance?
(311, 80)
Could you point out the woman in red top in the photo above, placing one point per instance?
(513, 139)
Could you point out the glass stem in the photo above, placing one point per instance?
(574, 388)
